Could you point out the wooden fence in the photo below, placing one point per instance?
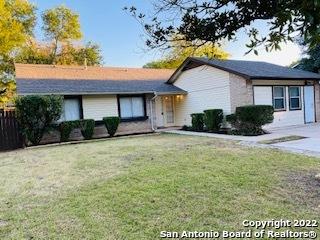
(10, 137)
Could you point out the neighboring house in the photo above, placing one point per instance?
(146, 99)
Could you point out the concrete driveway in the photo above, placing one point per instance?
(310, 145)
(311, 132)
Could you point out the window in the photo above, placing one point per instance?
(279, 98)
(71, 109)
(132, 107)
(294, 98)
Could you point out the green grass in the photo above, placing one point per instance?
(134, 188)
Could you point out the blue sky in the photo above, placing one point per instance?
(121, 37)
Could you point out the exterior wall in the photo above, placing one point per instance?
(240, 92)
(263, 95)
(98, 107)
(207, 88)
(317, 100)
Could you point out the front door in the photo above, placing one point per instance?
(309, 111)
(168, 111)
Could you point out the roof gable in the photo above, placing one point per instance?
(248, 69)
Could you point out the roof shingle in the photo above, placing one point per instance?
(49, 79)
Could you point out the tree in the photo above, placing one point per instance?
(16, 24)
(60, 24)
(312, 61)
(17, 20)
(216, 20)
(179, 51)
(68, 54)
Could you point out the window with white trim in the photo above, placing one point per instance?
(132, 107)
(279, 98)
(295, 98)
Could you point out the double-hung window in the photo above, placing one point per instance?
(132, 107)
(279, 98)
(295, 98)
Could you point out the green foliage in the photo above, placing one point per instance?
(68, 54)
(248, 120)
(197, 121)
(220, 20)
(16, 24)
(66, 128)
(87, 128)
(179, 51)
(312, 61)
(111, 124)
(213, 119)
(60, 24)
(36, 113)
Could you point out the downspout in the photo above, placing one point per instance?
(151, 111)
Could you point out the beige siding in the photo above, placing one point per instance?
(207, 88)
(263, 95)
(97, 107)
(240, 92)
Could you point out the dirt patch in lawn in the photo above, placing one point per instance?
(283, 139)
(304, 188)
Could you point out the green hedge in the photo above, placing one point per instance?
(87, 128)
(111, 124)
(213, 119)
(85, 125)
(36, 114)
(197, 121)
(66, 128)
(249, 120)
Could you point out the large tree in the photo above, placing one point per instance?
(17, 20)
(179, 51)
(60, 25)
(215, 20)
(68, 54)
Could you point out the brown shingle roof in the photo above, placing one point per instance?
(74, 80)
(32, 71)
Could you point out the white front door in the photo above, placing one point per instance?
(168, 112)
(309, 111)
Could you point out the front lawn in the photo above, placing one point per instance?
(136, 187)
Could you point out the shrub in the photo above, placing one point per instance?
(35, 115)
(111, 124)
(248, 120)
(66, 128)
(87, 128)
(197, 120)
(213, 119)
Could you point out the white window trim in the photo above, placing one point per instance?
(298, 97)
(284, 98)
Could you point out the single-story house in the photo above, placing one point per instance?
(146, 99)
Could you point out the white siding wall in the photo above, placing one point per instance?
(97, 107)
(263, 95)
(207, 88)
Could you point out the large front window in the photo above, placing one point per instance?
(279, 98)
(132, 107)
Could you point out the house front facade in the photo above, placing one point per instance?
(147, 99)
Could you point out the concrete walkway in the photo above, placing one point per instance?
(310, 145)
